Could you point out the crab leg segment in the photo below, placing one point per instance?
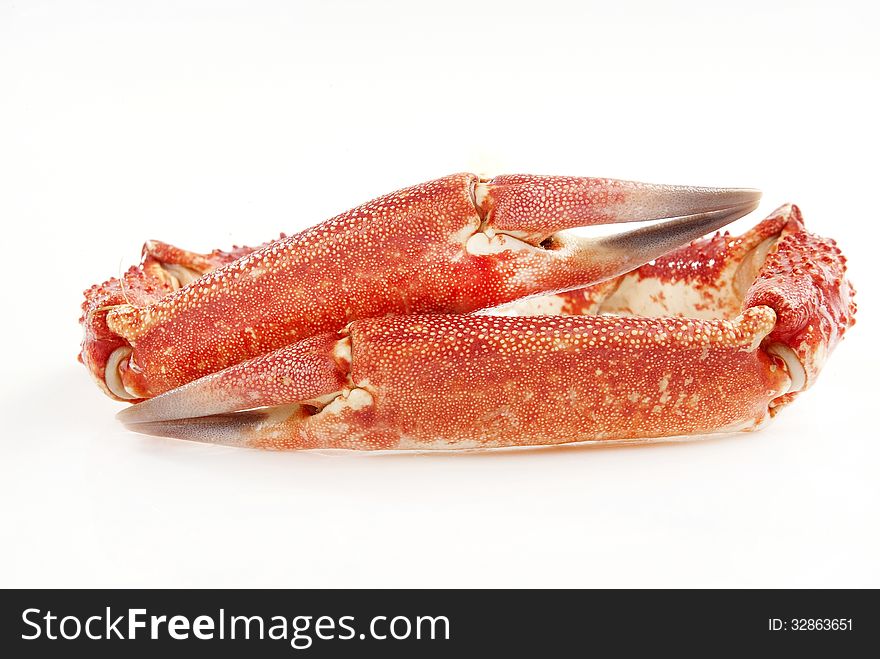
(163, 270)
(452, 245)
(804, 281)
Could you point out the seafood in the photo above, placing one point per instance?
(410, 322)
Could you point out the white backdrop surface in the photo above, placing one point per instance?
(207, 124)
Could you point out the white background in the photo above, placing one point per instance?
(206, 124)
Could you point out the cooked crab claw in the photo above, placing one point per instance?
(714, 337)
(525, 217)
(453, 245)
(305, 373)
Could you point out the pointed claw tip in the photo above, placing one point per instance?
(138, 413)
(220, 429)
(751, 195)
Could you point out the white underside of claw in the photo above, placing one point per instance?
(542, 305)
(652, 297)
(796, 370)
(479, 193)
(751, 265)
(111, 373)
(176, 275)
(354, 400)
(342, 351)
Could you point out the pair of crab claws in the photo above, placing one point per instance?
(687, 213)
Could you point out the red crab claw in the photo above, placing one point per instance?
(453, 381)
(773, 302)
(453, 245)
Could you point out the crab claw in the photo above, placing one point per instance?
(534, 207)
(525, 218)
(454, 245)
(456, 381)
(287, 387)
(305, 373)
